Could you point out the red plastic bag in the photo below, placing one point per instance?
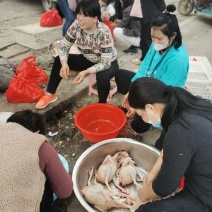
(51, 18)
(22, 90)
(28, 70)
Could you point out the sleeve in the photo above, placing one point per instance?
(125, 20)
(111, 10)
(144, 65)
(177, 154)
(68, 41)
(60, 181)
(106, 48)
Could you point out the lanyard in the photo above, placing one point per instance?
(151, 73)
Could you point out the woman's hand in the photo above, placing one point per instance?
(125, 103)
(130, 113)
(148, 178)
(80, 77)
(117, 21)
(64, 71)
(113, 26)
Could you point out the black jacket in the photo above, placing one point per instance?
(150, 8)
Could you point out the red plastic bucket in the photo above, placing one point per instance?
(100, 121)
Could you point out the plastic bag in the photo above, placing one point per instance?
(22, 90)
(28, 70)
(136, 9)
(51, 18)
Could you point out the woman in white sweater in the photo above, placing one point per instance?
(127, 30)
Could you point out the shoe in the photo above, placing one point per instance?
(131, 49)
(59, 206)
(45, 100)
(136, 61)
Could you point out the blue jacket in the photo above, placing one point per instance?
(170, 67)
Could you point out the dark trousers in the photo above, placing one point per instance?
(123, 81)
(183, 201)
(78, 62)
(47, 199)
(146, 39)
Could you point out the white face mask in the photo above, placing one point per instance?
(159, 47)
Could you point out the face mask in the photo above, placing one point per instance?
(158, 125)
(159, 47)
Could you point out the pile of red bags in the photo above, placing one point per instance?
(24, 87)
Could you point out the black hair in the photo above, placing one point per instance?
(127, 3)
(146, 90)
(168, 24)
(107, 2)
(30, 120)
(89, 8)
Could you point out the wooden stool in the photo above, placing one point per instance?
(92, 82)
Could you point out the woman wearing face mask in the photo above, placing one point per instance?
(167, 60)
(98, 54)
(187, 149)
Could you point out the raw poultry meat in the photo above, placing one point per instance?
(120, 169)
(127, 172)
(107, 169)
(102, 198)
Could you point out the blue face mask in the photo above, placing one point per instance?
(158, 125)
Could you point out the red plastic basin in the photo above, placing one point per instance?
(100, 121)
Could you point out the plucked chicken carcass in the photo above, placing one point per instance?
(127, 172)
(104, 199)
(107, 170)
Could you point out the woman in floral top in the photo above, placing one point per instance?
(98, 54)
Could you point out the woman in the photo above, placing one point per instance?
(149, 9)
(98, 54)
(68, 8)
(31, 170)
(187, 148)
(107, 10)
(167, 60)
(128, 29)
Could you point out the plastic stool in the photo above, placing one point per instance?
(92, 82)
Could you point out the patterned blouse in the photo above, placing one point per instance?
(96, 45)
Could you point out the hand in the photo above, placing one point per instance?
(80, 77)
(125, 103)
(113, 26)
(64, 71)
(130, 113)
(148, 178)
(117, 21)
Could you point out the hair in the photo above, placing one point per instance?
(127, 3)
(89, 8)
(107, 2)
(30, 120)
(168, 24)
(148, 90)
